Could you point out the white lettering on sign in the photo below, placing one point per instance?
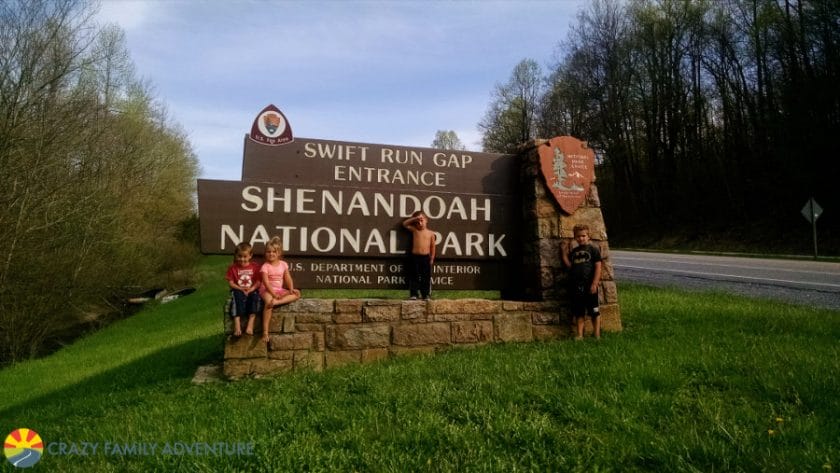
(338, 152)
(362, 273)
(348, 267)
(342, 279)
(389, 176)
(396, 161)
(457, 269)
(451, 160)
(442, 280)
(338, 202)
(285, 200)
(401, 156)
(358, 241)
(383, 280)
(250, 195)
(302, 200)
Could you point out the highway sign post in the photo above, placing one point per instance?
(812, 211)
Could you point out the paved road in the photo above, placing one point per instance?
(802, 282)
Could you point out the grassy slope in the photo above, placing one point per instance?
(696, 381)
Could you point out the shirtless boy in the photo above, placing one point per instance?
(422, 255)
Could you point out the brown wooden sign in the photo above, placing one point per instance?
(339, 206)
(357, 273)
(350, 222)
(353, 237)
(336, 163)
(568, 167)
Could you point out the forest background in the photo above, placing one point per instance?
(713, 123)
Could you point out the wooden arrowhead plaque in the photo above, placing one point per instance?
(568, 167)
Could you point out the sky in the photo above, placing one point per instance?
(386, 71)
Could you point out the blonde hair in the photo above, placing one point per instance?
(276, 243)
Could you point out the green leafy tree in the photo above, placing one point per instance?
(94, 182)
(447, 140)
(511, 119)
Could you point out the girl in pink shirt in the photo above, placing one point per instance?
(277, 287)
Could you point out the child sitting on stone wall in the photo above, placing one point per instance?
(277, 287)
(243, 277)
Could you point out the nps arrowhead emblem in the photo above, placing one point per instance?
(271, 127)
(568, 167)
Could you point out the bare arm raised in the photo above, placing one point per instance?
(423, 239)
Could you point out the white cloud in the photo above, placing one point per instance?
(389, 72)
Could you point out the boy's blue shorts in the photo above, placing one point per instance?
(245, 305)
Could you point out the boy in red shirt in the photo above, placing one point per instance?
(243, 277)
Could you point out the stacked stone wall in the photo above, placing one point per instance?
(324, 333)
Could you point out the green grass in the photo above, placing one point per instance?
(696, 382)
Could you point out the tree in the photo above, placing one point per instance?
(511, 119)
(94, 180)
(447, 140)
(703, 109)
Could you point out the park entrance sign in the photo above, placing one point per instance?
(338, 207)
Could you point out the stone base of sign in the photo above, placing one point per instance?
(315, 334)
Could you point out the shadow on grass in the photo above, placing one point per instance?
(121, 384)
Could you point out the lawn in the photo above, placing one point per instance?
(695, 382)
